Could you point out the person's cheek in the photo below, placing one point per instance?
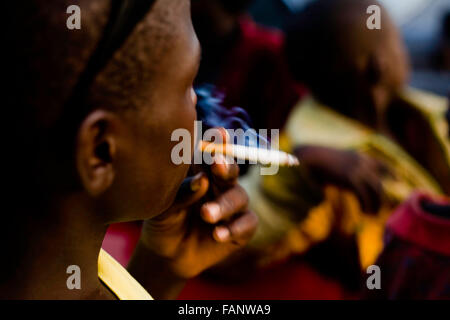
(193, 97)
(193, 110)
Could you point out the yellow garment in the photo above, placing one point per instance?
(295, 213)
(314, 124)
(118, 280)
(340, 209)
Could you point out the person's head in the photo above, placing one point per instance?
(216, 19)
(343, 62)
(109, 144)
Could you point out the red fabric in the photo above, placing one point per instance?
(255, 76)
(294, 280)
(121, 239)
(410, 222)
(415, 262)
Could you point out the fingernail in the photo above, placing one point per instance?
(196, 183)
(222, 234)
(227, 136)
(220, 159)
(213, 211)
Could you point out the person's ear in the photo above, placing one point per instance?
(96, 148)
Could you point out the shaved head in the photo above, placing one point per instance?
(47, 60)
(50, 58)
(126, 81)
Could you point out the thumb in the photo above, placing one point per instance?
(192, 189)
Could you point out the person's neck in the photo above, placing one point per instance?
(70, 235)
(370, 117)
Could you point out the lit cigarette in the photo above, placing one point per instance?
(255, 155)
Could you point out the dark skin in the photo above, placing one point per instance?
(372, 65)
(123, 162)
(347, 169)
(217, 30)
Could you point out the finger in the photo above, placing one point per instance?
(224, 170)
(224, 166)
(375, 194)
(238, 231)
(384, 170)
(369, 194)
(219, 136)
(375, 166)
(375, 189)
(191, 190)
(225, 135)
(231, 202)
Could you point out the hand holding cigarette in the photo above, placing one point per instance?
(252, 154)
(208, 221)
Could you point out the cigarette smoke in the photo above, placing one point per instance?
(213, 114)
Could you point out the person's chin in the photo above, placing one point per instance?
(167, 198)
(170, 199)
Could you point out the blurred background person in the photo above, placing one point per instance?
(416, 256)
(419, 21)
(244, 60)
(359, 103)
